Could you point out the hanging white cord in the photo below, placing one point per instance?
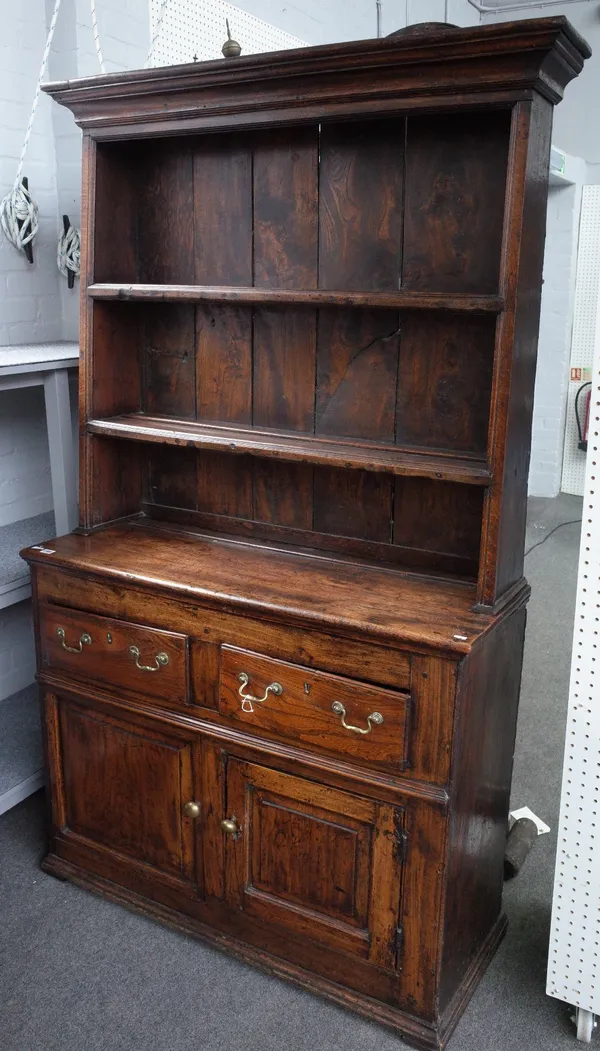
(68, 249)
(19, 214)
(97, 36)
(157, 28)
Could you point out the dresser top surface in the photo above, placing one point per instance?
(343, 596)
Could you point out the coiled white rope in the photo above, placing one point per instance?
(68, 253)
(157, 29)
(19, 214)
(20, 217)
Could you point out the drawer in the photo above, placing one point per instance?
(104, 650)
(315, 710)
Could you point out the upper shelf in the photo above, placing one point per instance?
(469, 304)
(308, 448)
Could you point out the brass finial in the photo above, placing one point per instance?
(231, 48)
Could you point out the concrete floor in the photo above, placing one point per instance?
(79, 973)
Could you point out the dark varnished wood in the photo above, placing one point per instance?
(516, 345)
(405, 300)
(169, 362)
(444, 382)
(381, 665)
(360, 215)
(357, 365)
(455, 180)
(164, 234)
(107, 657)
(302, 860)
(256, 442)
(488, 694)
(222, 191)
(351, 598)
(214, 731)
(103, 761)
(303, 711)
(310, 297)
(489, 63)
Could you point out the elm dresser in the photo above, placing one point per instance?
(280, 656)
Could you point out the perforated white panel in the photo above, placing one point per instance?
(584, 328)
(574, 960)
(195, 30)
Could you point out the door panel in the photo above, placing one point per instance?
(125, 784)
(319, 861)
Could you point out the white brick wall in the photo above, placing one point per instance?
(30, 302)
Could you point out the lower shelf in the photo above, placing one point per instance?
(21, 762)
(14, 573)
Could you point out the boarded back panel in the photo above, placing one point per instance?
(284, 368)
(165, 232)
(445, 382)
(224, 484)
(285, 209)
(360, 205)
(454, 206)
(169, 387)
(224, 363)
(172, 476)
(438, 516)
(222, 212)
(353, 504)
(280, 493)
(357, 365)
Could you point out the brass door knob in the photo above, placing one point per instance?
(230, 825)
(192, 809)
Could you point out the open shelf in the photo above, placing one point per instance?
(21, 762)
(14, 573)
(460, 303)
(366, 456)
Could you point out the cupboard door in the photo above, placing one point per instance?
(125, 783)
(321, 862)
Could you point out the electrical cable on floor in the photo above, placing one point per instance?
(539, 543)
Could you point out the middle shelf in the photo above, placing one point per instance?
(307, 448)
(395, 300)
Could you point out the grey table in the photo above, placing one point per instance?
(49, 366)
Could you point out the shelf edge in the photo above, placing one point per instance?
(438, 468)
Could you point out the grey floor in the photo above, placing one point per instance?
(80, 974)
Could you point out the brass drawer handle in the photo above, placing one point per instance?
(192, 809)
(374, 719)
(161, 660)
(248, 698)
(84, 640)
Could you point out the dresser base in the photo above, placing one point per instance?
(416, 1032)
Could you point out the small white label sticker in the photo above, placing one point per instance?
(44, 550)
(524, 811)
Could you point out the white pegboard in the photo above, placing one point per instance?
(194, 30)
(584, 329)
(574, 960)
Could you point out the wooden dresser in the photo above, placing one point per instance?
(280, 657)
